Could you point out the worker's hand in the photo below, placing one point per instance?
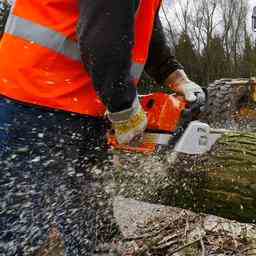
(180, 83)
(129, 124)
(192, 92)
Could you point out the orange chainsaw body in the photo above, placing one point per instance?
(164, 113)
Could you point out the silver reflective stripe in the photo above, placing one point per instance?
(53, 40)
(41, 35)
(136, 70)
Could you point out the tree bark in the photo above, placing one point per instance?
(221, 182)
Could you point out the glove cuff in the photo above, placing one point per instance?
(177, 78)
(124, 115)
(128, 123)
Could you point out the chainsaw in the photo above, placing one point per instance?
(172, 123)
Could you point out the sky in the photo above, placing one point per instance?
(171, 3)
(252, 3)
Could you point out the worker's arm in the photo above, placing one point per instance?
(105, 35)
(106, 38)
(165, 69)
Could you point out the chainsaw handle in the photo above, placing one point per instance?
(198, 107)
(191, 112)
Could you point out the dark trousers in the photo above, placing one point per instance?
(48, 178)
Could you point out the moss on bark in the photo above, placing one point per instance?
(221, 182)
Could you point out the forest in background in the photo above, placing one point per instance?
(213, 39)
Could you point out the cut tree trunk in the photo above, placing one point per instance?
(221, 182)
(150, 229)
(231, 103)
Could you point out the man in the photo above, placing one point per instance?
(54, 95)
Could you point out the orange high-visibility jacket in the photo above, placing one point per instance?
(40, 61)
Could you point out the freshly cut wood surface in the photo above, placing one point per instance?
(150, 229)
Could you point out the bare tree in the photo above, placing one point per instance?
(170, 30)
(203, 21)
(234, 13)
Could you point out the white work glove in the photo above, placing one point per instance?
(128, 124)
(180, 83)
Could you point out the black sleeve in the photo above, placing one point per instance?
(105, 34)
(161, 63)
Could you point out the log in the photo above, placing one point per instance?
(150, 229)
(221, 182)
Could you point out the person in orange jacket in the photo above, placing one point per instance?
(63, 65)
